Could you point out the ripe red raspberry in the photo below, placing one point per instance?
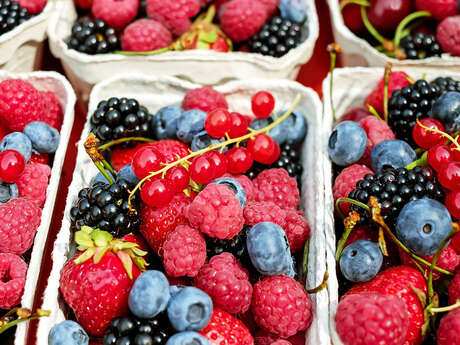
(247, 185)
(19, 221)
(377, 131)
(454, 289)
(296, 229)
(440, 9)
(184, 252)
(449, 329)
(226, 282)
(216, 212)
(371, 318)
(241, 19)
(42, 158)
(204, 98)
(33, 182)
(145, 35)
(13, 272)
(33, 6)
(346, 181)
(20, 103)
(277, 186)
(115, 13)
(54, 114)
(173, 14)
(281, 305)
(265, 211)
(448, 35)
(271, 6)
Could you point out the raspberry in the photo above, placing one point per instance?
(19, 221)
(377, 131)
(241, 19)
(449, 329)
(33, 182)
(346, 181)
(20, 103)
(145, 35)
(216, 212)
(263, 337)
(247, 185)
(54, 114)
(13, 272)
(42, 158)
(448, 35)
(204, 98)
(281, 342)
(268, 211)
(226, 282)
(277, 186)
(454, 289)
(173, 14)
(371, 318)
(281, 305)
(271, 6)
(297, 230)
(184, 252)
(440, 9)
(115, 13)
(33, 6)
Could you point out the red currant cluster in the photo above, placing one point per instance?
(12, 164)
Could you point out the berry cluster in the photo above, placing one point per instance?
(12, 14)
(93, 37)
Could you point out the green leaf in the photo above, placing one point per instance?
(101, 238)
(127, 263)
(209, 37)
(83, 239)
(85, 256)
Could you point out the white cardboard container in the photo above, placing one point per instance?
(155, 93)
(199, 66)
(21, 48)
(351, 86)
(55, 82)
(358, 52)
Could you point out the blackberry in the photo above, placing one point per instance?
(105, 206)
(276, 38)
(130, 330)
(93, 37)
(117, 118)
(394, 188)
(420, 46)
(446, 84)
(408, 104)
(12, 15)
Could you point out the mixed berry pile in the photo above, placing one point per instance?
(180, 240)
(14, 13)
(397, 190)
(268, 27)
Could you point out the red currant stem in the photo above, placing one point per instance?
(421, 162)
(445, 309)
(419, 267)
(122, 140)
(385, 42)
(403, 24)
(373, 111)
(443, 134)
(100, 167)
(216, 146)
(151, 52)
(320, 286)
(39, 313)
(333, 49)
(227, 136)
(386, 79)
(356, 2)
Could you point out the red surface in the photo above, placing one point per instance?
(311, 74)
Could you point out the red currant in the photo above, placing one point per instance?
(239, 125)
(218, 122)
(239, 160)
(202, 170)
(453, 203)
(12, 164)
(427, 139)
(219, 160)
(157, 192)
(455, 151)
(262, 104)
(178, 177)
(439, 155)
(449, 175)
(146, 160)
(264, 149)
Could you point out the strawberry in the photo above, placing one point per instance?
(123, 156)
(224, 329)
(171, 149)
(400, 281)
(96, 282)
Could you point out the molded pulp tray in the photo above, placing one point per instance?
(351, 86)
(199, 66)
(49, 81)
(156, 93)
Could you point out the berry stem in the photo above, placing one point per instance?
(351, 201)
(446, 309)
(386, 79)
(402, 25)
(100, 167)
(387, 44)
(23, 315)
(305, 261)
(333, 50)
(443, 134)
(350, 223)
(123, 140)
(151, 52)
(320, 286)
(421, 162)
(356, 2)
(373, 111)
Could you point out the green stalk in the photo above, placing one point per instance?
(402, 25)
(355, 2)
(446, 309)
(147, 53)
(100, 167)
(373, 111)
(371, 28)
(333, 49)
(421, 162)
(122, 140)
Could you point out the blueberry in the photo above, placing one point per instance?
(187, 338)
(202, 140)
(269, 250)
(8, 191)
(149, 295)
(391, 153)
(296, 127)
(361, 261)
(276, 133)
(293, 10)
(68, 333)
(447, 108)
(44, 138)
(190, 123)
(127, 173)
(347, 143)
(164, 123)
(100, 178)
(19, 142)
(422, 225)
(174, 290)
(190, 310)
(235, 186)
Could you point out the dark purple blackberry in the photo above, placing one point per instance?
(12, 15)
(130, 330)
(394, 188)
(105, 206)
(420, 46)
(446, 84)
(408, 104)
(93, 37)
(276, 38)
(117, 118)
